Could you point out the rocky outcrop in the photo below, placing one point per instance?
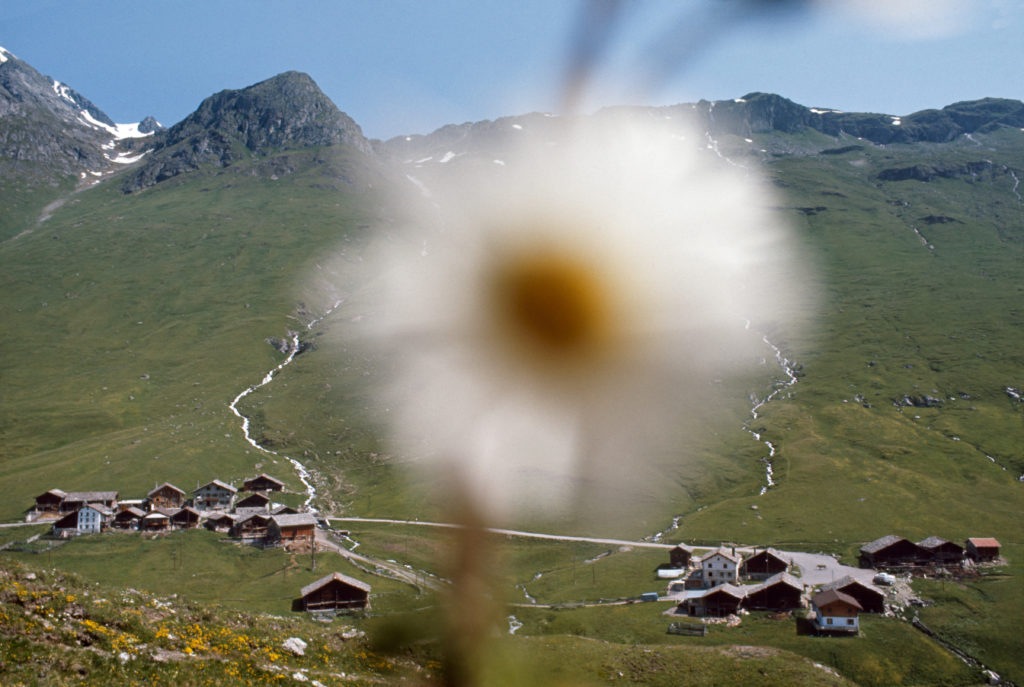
(286, 112)
(980, 168)
(41, 124)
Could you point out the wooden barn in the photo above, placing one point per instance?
(253, 503)
(48, 503)
(263, 482)
(165, 495)
(220, 522)
(156, 521)
(982, 548)
(128, 519)
(764, 564)
(836, 612)
(780, 592)
(943, 552)
(185, 518)
(717, 602)
(252, 527)
(891, 551)
(870, 598)
(335, 592)
(679, 557)
(289, 528)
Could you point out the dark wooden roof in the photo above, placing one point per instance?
(881, 543)
(91, 496)
(847, 581)
(831, 596)
(294, 519)
(336, 576)
(166, 485)
(217, 483)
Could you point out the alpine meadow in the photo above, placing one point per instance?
(152, 282)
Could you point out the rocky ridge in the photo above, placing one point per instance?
(48, 128)
(285, 112)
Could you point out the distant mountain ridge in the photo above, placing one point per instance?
(755, 113)
(47, 123)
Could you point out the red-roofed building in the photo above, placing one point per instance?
(982, 548)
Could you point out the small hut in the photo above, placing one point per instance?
(263, 482)
(943, 552)
(679, 558)
(982, 548)
(335, 592)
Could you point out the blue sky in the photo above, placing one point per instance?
(404, 66)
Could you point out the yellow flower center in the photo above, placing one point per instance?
(554, 303)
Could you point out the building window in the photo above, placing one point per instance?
(849, 621)
(828, 621)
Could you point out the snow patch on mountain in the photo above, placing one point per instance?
(63, 91)
(4, 53)
(118, 131)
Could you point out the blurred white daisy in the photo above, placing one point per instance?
(557, 319)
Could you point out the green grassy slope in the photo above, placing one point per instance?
(130, 322)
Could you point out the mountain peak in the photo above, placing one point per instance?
(283, 112)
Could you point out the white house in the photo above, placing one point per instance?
(91, 519)
(720, 567)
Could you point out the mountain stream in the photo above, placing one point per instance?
(293, 350)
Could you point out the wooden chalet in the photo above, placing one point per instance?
(220, 522)
(289, 528)
(263, 482)
(764, 564)
(870, 598)
(335, 592)
(253, 503)
(679, 557)
(165, 495)
(215, 495)
(982, 548)
(48, 503)
(128, 519)
(780, 592)
(156, 521)
(186, 518)
(719, 601)
(943, 552)
(891, 551)
(254, 526)
(835, 612)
